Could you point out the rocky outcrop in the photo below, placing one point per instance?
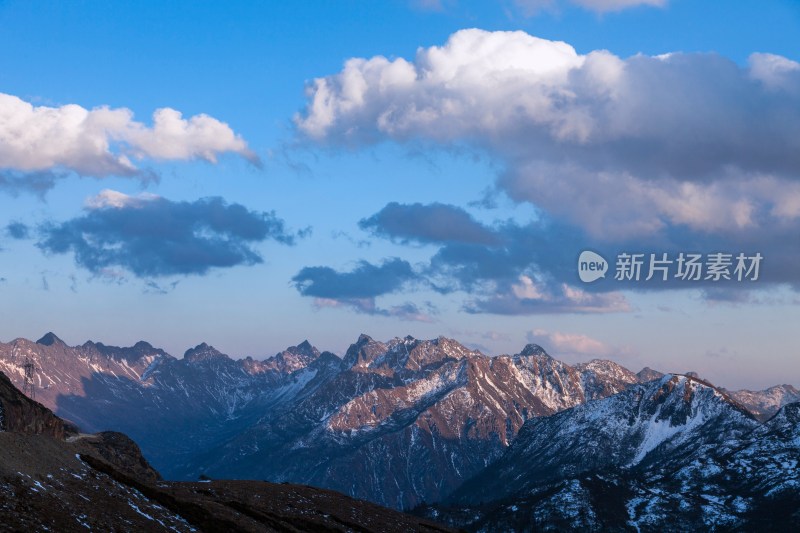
(120, 451)
(23, 415)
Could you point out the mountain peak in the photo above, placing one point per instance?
(50, 339)
(404, 354)
(648, 374)
(533, 349)
(365, 350)
(305, 350)
(364, 339)
(132, 355)
(293, 358)
(203, 352)
(305, 346)
(684, 388)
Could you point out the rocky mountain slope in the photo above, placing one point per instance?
(172, 406)
(20, 414)
(764, 404)
(398, 423)
(53, 479)
(407, 421)
(673, 454)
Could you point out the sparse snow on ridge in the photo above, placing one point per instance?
(397, 422)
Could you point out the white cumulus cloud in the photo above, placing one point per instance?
(103, 141)
(622, 147)
(775, 71)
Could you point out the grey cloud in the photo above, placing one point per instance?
(36, 183)
(567, 300)
(154, 237)
(532, 268)
(517, 270)
(545, 250)
(720, 295)
(360, 243)
(17, 230)
(151, 286)
(471, 253)
(407, 311)
(363, 282)
(431, 223)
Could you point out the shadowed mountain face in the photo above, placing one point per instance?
(54, 479)
(674, 453)
(409, 420)
(398, 423)
(172, 406)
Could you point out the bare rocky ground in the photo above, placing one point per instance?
(53, 478)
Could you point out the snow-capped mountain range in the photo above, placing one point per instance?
(399, 423)
(674, 454)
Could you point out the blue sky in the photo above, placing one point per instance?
(443, 185)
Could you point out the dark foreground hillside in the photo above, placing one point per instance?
(53, 478)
